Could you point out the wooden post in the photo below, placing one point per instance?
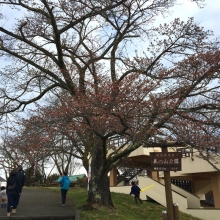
(176, 211)
(164, 215)
(113, 176)
(168, 192)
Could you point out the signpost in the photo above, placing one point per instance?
(167, 161)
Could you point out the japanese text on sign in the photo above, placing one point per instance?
(170, 161)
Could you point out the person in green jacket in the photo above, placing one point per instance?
(64, 186)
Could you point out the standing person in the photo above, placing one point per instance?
(64, 185)
(13, 189)
(135, 190)
(21, 177)
(3, 197)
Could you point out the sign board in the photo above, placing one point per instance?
(169, 161)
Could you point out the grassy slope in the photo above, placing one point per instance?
(125, 208)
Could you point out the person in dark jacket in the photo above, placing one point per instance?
(21, 177)
(64, 185)
(13, 189)
(135, 190)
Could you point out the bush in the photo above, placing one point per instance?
(82, 182)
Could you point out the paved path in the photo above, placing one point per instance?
(41, 203)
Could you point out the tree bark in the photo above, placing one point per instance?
(99, 192)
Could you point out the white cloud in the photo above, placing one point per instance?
(208, 16)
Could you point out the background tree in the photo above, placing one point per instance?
(84, 51)
(201, 139)
(60, 145)
(32, 176)
(52, 178)
(33, 146)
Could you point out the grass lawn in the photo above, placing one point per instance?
(125, 208)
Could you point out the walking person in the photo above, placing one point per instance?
(21, 175)
(64, 185)
(21, 178)
(13, 189)
(135, 190)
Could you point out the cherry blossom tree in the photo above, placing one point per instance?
(85, 52)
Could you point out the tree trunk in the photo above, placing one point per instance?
(99, 191)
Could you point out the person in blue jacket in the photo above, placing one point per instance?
(135, 190)
(64, 185)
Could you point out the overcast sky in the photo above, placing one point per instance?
(208, 17)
